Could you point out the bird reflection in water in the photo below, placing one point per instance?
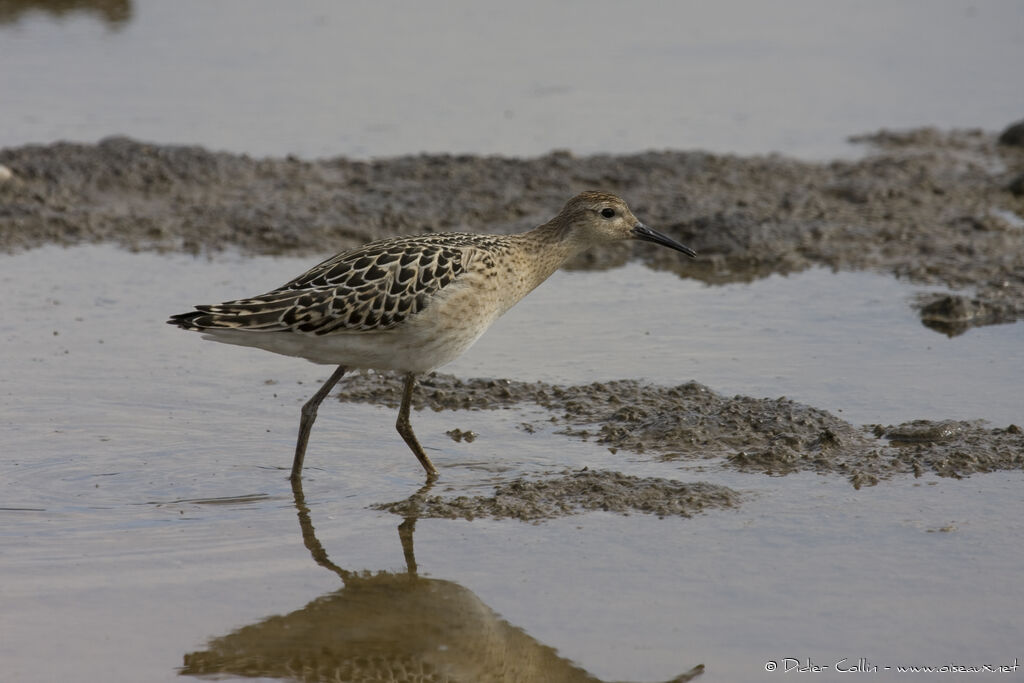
(386, 626)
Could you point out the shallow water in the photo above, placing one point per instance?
(382, 79)
(146, 508)
(848, 342)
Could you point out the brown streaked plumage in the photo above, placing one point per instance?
(411, 304)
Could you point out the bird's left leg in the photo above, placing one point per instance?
(405, 429)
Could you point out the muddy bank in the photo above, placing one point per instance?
(692, 422)
(935, 207)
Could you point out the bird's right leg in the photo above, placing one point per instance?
(308, 417)
(405, 429)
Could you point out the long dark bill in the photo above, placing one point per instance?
(642, 232)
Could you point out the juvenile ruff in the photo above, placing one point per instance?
(411, 304)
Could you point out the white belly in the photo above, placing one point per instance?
(442, 332)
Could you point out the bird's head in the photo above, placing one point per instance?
(592, 218)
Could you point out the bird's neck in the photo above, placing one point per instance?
(546, 249)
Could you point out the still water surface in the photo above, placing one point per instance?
(370, 79)
(143, 486)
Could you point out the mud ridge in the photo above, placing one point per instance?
(570, 493)
(690, 422)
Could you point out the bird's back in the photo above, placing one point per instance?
(375, 287)
(352, 308)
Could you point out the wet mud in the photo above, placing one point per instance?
(690, 422)
(934, 207)
(571, 493)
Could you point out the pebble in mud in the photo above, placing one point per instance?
(1013, 135)
(572, 493)
(953, 314)
(926, 431)
(457, 435)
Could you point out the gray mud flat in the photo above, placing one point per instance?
(690, 421)
(934, 207)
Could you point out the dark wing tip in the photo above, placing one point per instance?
(186, 321)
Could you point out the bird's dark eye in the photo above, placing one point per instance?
(608, 213)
